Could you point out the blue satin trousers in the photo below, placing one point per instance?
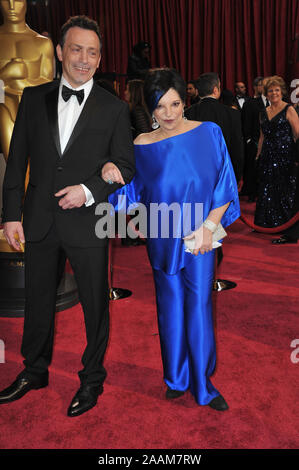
(184, 306)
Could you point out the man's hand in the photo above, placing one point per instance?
(110, 172)
(74, 196)
(14, 234)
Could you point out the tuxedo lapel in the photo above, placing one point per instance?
(260, 103)
(52, 110)
(86, 112)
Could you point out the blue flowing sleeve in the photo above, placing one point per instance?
(226, 189)
(128, 196)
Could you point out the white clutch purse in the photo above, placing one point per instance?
(219, 234)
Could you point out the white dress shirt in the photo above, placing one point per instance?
(265, 100)
(241, 101)
(68, 115)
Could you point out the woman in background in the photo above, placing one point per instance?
(183, 162)
(140, 118)
(140, 123)
(276, 157)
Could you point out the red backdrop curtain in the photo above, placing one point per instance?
(240, 39)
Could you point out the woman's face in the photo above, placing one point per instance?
(274, 94)
(169, 112)
(127, 94)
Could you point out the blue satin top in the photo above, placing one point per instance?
(193, 167)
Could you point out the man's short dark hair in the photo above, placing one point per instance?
(207, 82)
(158, 81)
(257, 80)
(193, 82)
(80, 21)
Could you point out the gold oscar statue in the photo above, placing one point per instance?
(26, 59)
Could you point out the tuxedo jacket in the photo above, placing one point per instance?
(229, 120)
(101, 134)
(251, 118)
(246, 98)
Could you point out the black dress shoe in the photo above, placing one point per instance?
(173, 393)
(132, 241)
(20, 387)
(218, 403)
(283, 240)
(85, 399)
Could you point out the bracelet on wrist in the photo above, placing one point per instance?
(210, 225)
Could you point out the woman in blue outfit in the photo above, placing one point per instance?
(182, 162)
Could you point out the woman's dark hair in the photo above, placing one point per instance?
(80, 21)
(227, 97)
(158, 82)
(136, 92)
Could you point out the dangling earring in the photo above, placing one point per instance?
(155, 123)
(184, 117)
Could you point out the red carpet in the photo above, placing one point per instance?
(255, 324)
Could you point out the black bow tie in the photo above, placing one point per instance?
(68, 92)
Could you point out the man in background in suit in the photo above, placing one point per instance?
(251, 132)
(70, 130)
(241, 97)
(210, 109)
(192, 92)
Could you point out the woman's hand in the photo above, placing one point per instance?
(111, 174)
(203, 240)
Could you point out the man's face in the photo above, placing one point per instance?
(13, 10)
(145, 53)
(80, 55)
(240, 89)
(217, 90)
(260, 88)
(191, 90)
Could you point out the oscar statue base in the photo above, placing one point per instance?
(12, 289)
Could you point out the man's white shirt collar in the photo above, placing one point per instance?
(86, 87)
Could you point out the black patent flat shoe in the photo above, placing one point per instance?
(218, 404)
(170, 394)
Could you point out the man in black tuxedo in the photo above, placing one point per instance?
(70, 130)
(251, 132)
(241, 97)
(229, 120)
